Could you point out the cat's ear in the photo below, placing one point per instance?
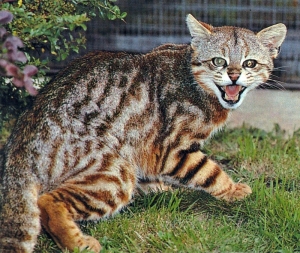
(198, 30)
(272, 37)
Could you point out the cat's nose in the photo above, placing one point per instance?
(234, 76)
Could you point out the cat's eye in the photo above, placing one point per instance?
(249, 63)
(219, 62)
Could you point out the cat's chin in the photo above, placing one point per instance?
(230, 105)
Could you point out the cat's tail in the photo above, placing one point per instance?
(19, 213)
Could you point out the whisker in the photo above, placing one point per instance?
(274, 84)
(281, 68)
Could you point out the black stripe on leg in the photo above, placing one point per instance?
(192, 172)
(211, 180)
(179, 165)
(72, 201)
(75, 198)
(184, 154)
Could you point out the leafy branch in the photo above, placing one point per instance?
(45, 30)
(105, 8)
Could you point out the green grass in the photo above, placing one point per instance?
(191, 221)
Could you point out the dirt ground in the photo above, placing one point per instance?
(264, 108)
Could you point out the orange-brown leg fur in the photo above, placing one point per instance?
(196, 170)
(216, 182)
(59, 223)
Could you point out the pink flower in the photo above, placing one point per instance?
(5, 17)
(20, 79)
(12, 44)
(25, 79)
(9, 69)
(2, 32)
(10, 53)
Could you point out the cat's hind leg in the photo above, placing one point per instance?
(90, 198)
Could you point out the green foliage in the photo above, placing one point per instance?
(48, 28)
(105, 8)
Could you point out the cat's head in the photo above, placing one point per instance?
(228, 61)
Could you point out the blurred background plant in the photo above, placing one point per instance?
(33, 33)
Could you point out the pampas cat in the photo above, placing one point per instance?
(112, 120)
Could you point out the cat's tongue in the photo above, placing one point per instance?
(232, 92)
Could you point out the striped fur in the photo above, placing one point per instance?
(111, 120)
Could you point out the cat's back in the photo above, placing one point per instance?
(103, 97)
(100, 83)
(97, 74)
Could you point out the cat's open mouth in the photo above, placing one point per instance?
(231, 93)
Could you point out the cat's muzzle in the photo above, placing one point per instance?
(231, 93)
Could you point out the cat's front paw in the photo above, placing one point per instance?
(237, 192)
(90, 243)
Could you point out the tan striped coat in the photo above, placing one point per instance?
(111, 121)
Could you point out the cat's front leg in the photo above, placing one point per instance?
(196, 170)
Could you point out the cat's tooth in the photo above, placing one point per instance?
(226, 97)
(235, 98)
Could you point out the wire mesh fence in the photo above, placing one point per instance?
(153, 22)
